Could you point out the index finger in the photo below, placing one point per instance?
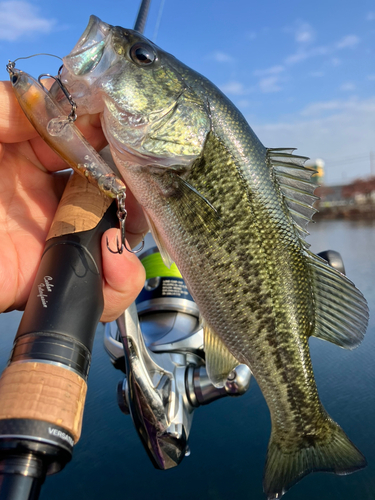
(14, 126)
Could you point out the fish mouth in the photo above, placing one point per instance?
(89, 50)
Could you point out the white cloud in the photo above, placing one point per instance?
(299, 56)
(319, 107)
(19, 18)
(270, 84)
(243, 103)
(274, 70)
(332, 129)
(233, 88)
(335, 61)
(222, 57)
(347, 87)
(370, 16)
(304, 33)
(348, 41)
(302, 53)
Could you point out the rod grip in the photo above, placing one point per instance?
(81, 208)
(43, 389)
(45, 392)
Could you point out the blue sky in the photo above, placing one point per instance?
(302, 73)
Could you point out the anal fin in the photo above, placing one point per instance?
(219, 361)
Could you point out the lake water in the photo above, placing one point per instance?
(229, 438)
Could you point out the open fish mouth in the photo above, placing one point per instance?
(89, 50)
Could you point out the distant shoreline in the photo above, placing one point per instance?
(354, 201)
(353, 212)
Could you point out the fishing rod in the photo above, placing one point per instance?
(43, 388)
(140, 22)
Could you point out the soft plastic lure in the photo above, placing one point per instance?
(61, 134)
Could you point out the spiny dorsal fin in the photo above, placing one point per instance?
(219, 361)
(295, 184)
(340, 308)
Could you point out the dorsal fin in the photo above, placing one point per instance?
(341, 309)
(295, 184)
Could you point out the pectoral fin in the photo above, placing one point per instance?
(219, 361)
(192, 206)
(168, 261)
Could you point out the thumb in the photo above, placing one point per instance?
(124, 277)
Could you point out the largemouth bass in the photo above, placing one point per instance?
(232, 214)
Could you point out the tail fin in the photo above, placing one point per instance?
(333, 453)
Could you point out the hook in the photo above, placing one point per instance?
(120, 249)
(138, 249)
(121, 215)
(73, 115)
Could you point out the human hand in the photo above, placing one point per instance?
(30, 191)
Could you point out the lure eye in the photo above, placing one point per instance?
(142, 54)
(14, 79)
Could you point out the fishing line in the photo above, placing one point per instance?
(11, 64)
(156, 30)
(35, 55)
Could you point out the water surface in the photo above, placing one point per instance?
(229, 438)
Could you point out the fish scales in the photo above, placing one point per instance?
(246, 281)
(230, 213)
(249, 283)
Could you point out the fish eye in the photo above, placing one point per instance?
(142, 54)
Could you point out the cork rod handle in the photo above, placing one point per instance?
(46, 377)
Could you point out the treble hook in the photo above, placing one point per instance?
(121, 215)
